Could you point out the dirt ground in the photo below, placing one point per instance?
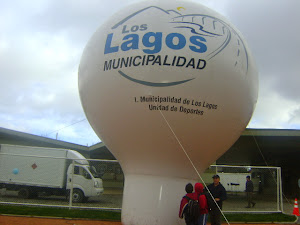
(21, 220)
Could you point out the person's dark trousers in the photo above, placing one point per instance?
(250, 199)
(191, 222)
(202, 220)
(215, 217)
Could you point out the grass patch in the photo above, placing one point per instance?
(60, 212)
(259, 217)
(116, 216)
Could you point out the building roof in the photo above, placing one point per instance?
(8, 136)
(265, 147)
(271, 132)
(274, 144)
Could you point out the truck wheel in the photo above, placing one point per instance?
(24, 193)
(78, 196)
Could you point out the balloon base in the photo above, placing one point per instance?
(152, 200)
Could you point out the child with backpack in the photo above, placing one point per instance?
(188, 206)
(203, 206)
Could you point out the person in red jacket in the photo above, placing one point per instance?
(184, 203)
(202, 203)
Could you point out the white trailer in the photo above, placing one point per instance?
(31, 170)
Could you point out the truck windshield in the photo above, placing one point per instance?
(94, 172)
(82, 171)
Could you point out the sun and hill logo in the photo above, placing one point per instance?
(153, 37)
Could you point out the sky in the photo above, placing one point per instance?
(41, 43)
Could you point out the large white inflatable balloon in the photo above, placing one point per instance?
(160, 78)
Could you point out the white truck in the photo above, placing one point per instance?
(34, 170)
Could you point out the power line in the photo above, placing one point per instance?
(66, 126)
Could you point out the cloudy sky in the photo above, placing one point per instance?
(41, 42)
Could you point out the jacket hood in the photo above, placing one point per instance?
(199, 188)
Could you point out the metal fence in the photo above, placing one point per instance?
(267, 195)
(50, 181)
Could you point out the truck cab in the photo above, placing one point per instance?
(83, 179)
